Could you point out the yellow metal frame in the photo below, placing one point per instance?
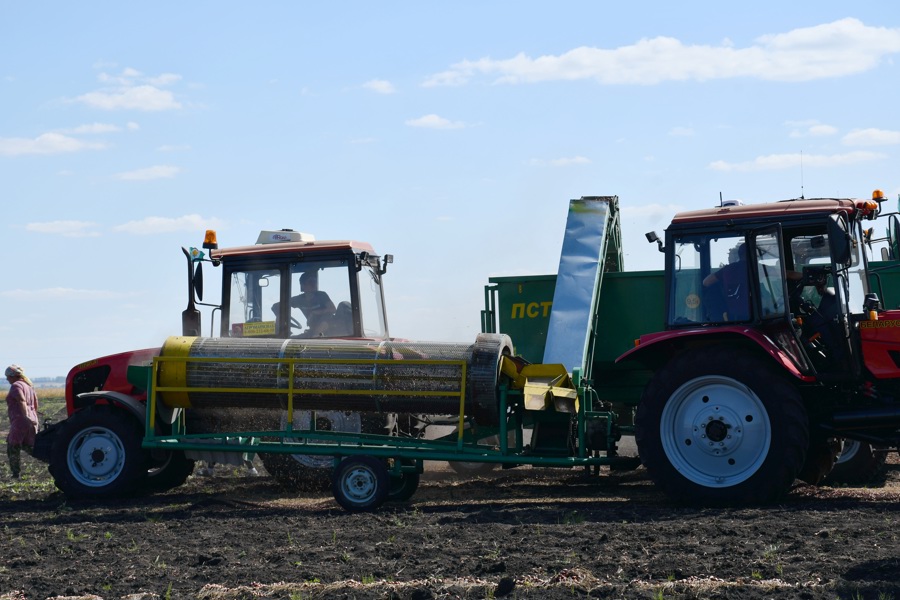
(179, 387)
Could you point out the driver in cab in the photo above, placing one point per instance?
(315, 305)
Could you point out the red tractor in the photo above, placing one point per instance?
(775, 351)
(287, 285)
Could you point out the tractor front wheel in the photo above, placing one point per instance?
(720, 425)
(98, 454)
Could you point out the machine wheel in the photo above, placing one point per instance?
(479, 469)
(309, 472)
(859, 463)
(361, 483)
(820, 458)
(98, 454)
(170, 473)
(403, 487)
(719, 425)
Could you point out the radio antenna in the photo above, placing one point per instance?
(801, 176)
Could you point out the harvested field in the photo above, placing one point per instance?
(521, 533)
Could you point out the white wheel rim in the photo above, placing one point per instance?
(715, 431)
(359, 484)
(96, 456)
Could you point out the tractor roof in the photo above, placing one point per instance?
(774, 211)
(321, 246)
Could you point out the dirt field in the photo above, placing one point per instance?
(519, 534)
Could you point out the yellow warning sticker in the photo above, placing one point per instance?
(253, 329)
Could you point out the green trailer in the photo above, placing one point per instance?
(629, 304)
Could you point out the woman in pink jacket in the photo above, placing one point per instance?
(22, 407)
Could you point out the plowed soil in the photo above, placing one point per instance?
(521, 533)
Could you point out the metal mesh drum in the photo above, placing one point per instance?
(345, 375)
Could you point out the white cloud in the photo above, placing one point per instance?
(93, 128)
(131, 90)
(681, 132)
(47, 143)
(871, 137)
(60, 293)
(142, 97)
(154, 225)
(150, 173)
(774, 162)
(132, 126)
(380, 86)
(559, 162)
(810, 128)
(65, 228)
(435, 122)
(836, 49)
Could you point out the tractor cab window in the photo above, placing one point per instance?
(252, 293)
(710, 280)
(320, 299)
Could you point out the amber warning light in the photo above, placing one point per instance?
(209, 240)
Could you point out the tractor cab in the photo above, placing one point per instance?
(288, 285)
(789, 275)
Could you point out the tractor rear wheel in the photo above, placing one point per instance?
(98, 454)
(720, 425)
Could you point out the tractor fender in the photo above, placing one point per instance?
(135, 407)
(655, 349)
(43, 443)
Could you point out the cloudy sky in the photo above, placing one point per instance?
(451, 135)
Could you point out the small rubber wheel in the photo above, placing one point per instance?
(403, 487)
(361, 483)
(858, 463)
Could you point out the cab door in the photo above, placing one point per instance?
(771, 295)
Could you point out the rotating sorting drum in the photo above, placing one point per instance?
(345, 375)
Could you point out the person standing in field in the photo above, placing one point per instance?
(22, 408)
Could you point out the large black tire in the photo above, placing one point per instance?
(98, 454)
(168, 473)
(859, 463)
(361, 483)
(720, 425)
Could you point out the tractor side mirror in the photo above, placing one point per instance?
(198, 281)
(652, 237)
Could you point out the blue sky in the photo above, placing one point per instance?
(451, 135)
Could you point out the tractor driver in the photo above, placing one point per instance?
(734, 284)
(315, 305)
